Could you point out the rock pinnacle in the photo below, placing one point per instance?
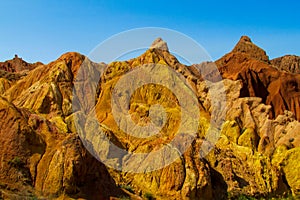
(159, 43)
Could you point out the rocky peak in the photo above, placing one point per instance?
(41, 154)
(245, 38)
(246, 46)
(17, 64)
(159, 43)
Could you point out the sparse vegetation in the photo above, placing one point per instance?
(128, 188)
(124, 198)
(246, 197)
(239, 197)
(149, 196)
(288, 196)
(16, 162)
(33, 198)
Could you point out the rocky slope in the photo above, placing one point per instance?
(256, 154)
(288, 63)
(249, 63)
(41, 155)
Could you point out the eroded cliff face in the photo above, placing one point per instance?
(249, 63)
(256, 154)
(41, 155)
(249, 152)
(288, 63)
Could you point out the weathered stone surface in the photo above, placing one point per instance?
(288, 63)
(246, 46)
(256, 153)
(4, 85)
(248, 63)
(40, 154)
(289, 163)
(159, 44)
(248, 139)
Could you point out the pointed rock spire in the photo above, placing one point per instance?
(245, 45)
(245, 38)
(159, 43)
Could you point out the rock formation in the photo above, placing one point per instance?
(256, 154)
(17, 65)
(246, 46)
(288, 63)
(39, 149)
(249, 64)
(159, 44)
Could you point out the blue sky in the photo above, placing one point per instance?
(43, 30)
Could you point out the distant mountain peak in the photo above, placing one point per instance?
(17, 64)
(245, 45)
(159, 43)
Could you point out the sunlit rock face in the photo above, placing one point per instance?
(44, 154)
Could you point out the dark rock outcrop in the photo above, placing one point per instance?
(17, 65)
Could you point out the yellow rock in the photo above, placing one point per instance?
(59, 123)
(291, 166)
(231, 130)
(4, 85)
(249, 139)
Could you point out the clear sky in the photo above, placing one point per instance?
(39, 30)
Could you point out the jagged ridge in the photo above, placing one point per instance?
(42, 154)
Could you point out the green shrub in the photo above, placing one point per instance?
(149, 196)
(16, 162)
